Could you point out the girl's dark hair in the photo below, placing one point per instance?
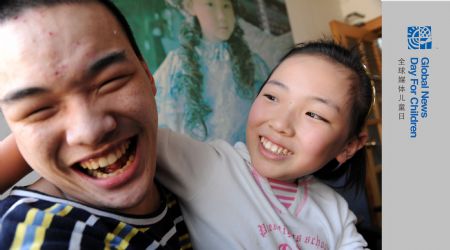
(12, 8)
(190, 83)
(361, 99)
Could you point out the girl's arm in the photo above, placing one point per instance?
(12, 166)
(184, 165)
(350, 238)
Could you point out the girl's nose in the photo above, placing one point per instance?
(283, 124)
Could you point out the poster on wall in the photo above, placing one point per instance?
(415, 123)
(209, 59)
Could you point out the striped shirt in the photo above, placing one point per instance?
(33, 220)
(284, 191)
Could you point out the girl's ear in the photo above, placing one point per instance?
(188, 7)
(352, 147)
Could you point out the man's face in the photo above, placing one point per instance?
(80, 104)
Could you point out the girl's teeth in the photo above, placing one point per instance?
(279, 150)
(274, 148)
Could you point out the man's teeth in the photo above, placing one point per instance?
(99, 174)
(268, 145)
(107, 160)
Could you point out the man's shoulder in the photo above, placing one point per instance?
(56, 223)
(27, 208)
(23, 220)
(7, 202)
(14, 203)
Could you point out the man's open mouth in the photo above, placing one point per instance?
(112, 163)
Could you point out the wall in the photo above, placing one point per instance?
(309, 19)
(370, 8)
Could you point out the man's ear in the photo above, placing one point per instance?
(352, 147)
(188, 7)
(150, 76)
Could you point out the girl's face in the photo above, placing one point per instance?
(300, 120)
(216, 18)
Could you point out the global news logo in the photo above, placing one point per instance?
(419, 37)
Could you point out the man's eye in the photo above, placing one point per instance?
(270, 97)
(316, 116)
(40, 114)
(113, 84)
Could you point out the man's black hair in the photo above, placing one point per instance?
(10, 9)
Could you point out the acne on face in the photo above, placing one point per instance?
(49, 56)
(60, 70)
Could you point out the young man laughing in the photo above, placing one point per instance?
(73, 89)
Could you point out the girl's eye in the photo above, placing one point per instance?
(270, 97)
(316, 116)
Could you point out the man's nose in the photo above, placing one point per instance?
(88, 126)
